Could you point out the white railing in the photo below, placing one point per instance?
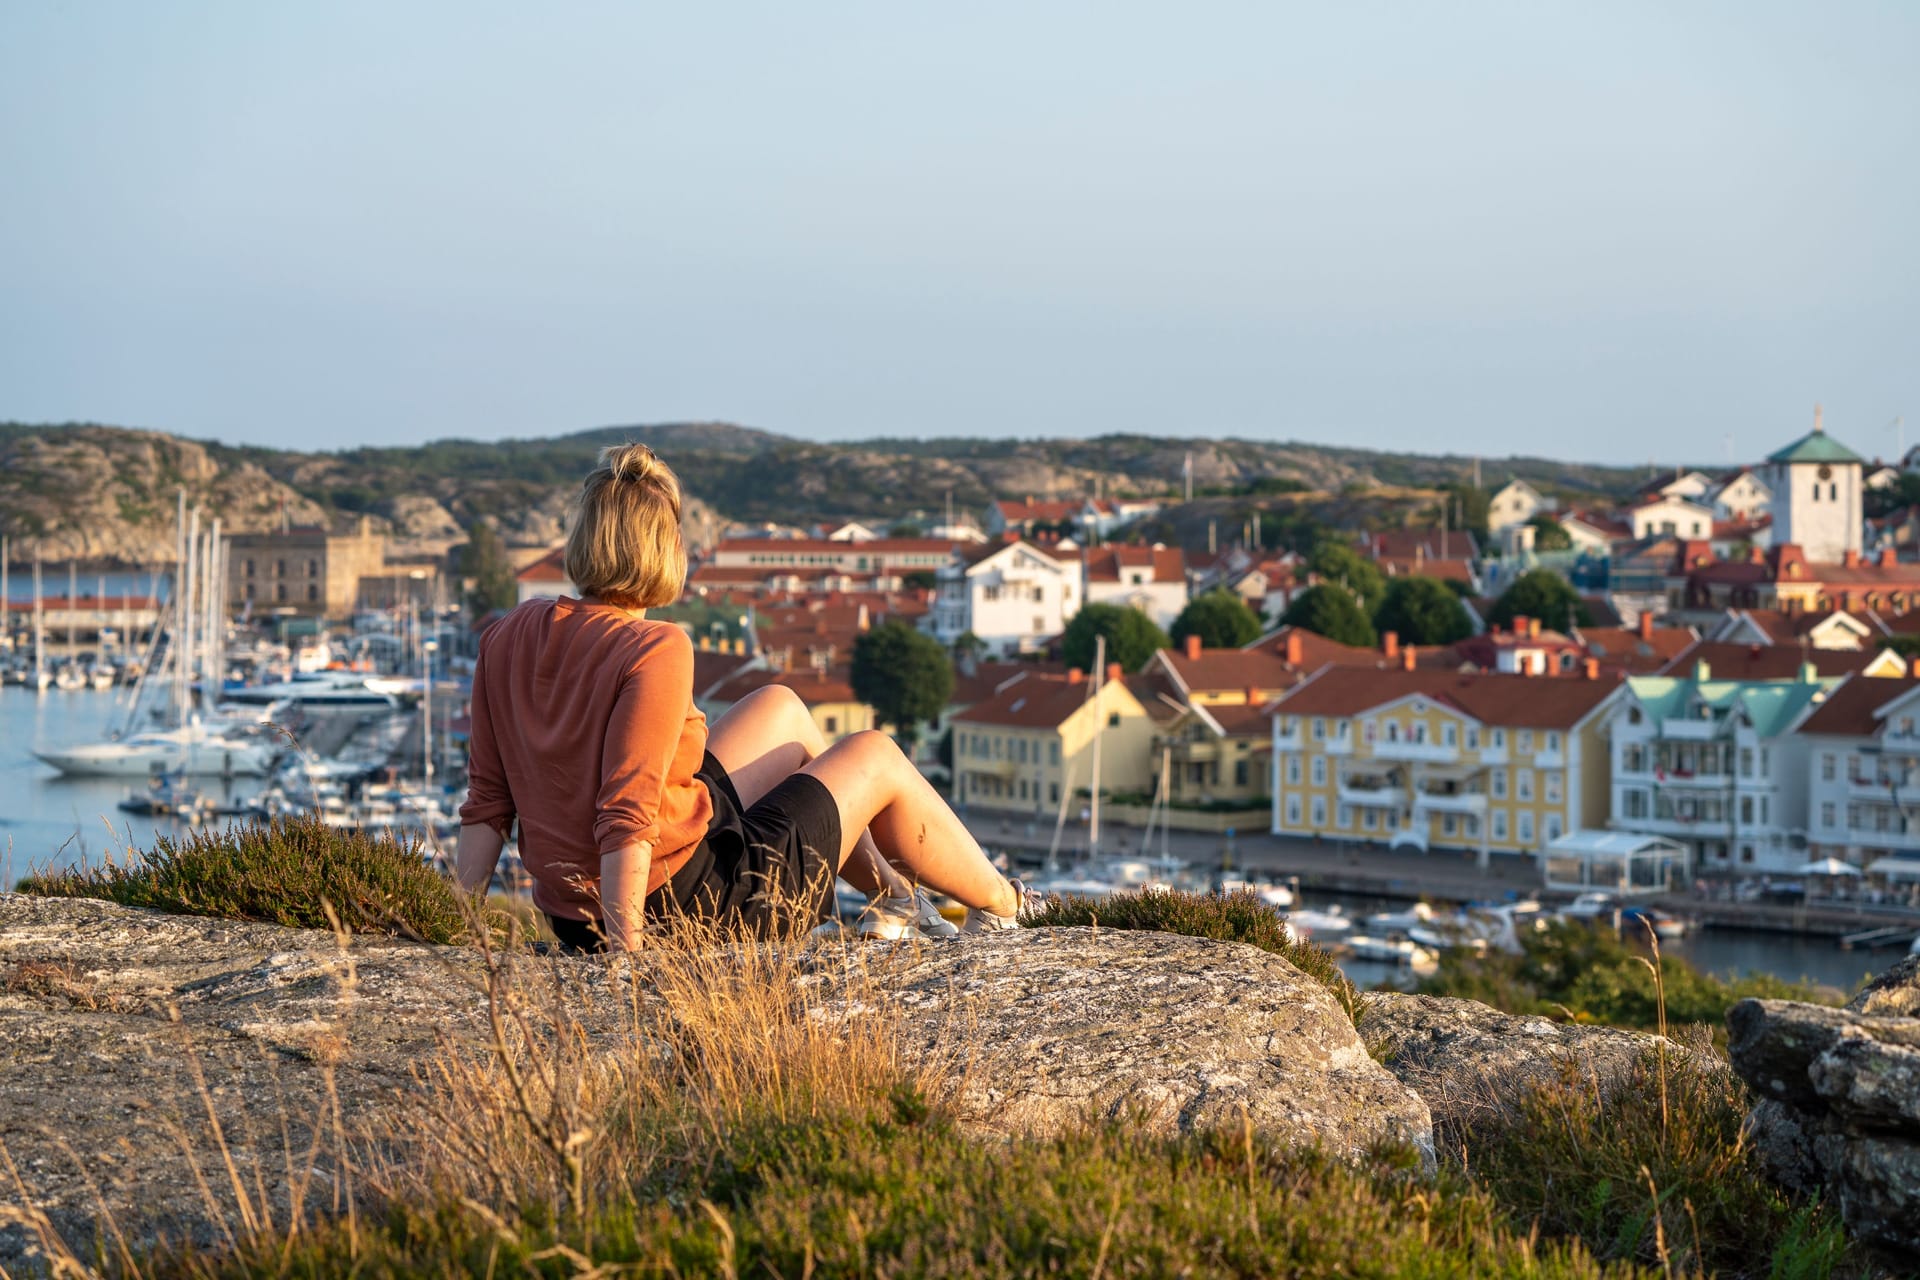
(1374, 797)
(1425, 752)
(1456, 802)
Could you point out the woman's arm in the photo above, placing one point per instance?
(475, 857)
(623, 893)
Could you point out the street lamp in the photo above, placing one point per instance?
(428, 647)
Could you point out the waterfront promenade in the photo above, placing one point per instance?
(1353, 867)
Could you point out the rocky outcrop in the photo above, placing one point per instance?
(99, 493)
(1840, 1106)
(124, 1035)
(1471, 1063)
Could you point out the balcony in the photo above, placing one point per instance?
(1676, 827)
(1423, 752)
(1339, 747)
(1364, 797)
(1549, 760)
(1285, 739)
(1893, 841)
(1870, 788)
(1893, 742)
(1674, 778)
(1691, 730)
(1472, 802)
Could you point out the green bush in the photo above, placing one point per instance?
(284, 872)
(1224, 917)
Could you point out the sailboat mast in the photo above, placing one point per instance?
(39, 629)
(73, 592)
(188, 595)
(1099, 725)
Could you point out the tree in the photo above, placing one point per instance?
(1422, 611)
(919, 579)
(905, 676)
(1541, 594)
(1549, 534)
(968, 645)
(1330, 611)
(1466, 508)
(484, 561)
(1131, 637)
(1220, 618)
(1338, 562)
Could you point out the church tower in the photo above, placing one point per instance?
(1816, 496)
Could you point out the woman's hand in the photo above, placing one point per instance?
(623, 893)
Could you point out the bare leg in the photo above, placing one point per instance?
(878, 788)
(768, 736)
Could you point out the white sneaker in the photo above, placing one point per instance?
(928, 918)
(980, 920)
(889, 918)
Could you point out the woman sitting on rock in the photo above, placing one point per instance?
(584, 729)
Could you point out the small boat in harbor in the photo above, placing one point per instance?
(1635, 921)
(1320, 926)
(1398, 951)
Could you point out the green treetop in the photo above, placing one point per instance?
(484, 561)
(1422, 611)
(1132, 638)
(905, 676)
(1220, 618)
(1542, 594)
(1330, 611)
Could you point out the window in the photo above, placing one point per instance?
(313, 591)
(1551, 780)
(1499, 739)
(990, 594)
(1053, 793)
(1746, 808)
(1053, 752)
(1499, 824)
(249, 565)
(1113, 719)
(1826, 814)
(1524, 827)
(1039, 624)
(1553, 742)
(1319, 771)
(1449, 735)
(1523, 779)
(1526, 742)
(1319, 812)
(1499, 777)
(313, 568)
(1553, 827)
(279, 591)
(1293, 811)
(1763, 810)
(1039, 594)
(1473, 739)
(1319, 729)
(1293, 771)
(1020, 750)
(1368, 819)
(1634, 803)
(1746, 762)
(1023, 788)
(1240, 772)
(1343, 817)
(246, 592)
(280, 568)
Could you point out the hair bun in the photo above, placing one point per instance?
(630, 461)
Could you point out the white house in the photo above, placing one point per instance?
(1010, 594)
(1692, 485)
(1515, 503)
(1741, 497)
(1680, 517)
(1150, 579)
(545, 578)
(1863, 772)
(1718, 766)
(1882, 478)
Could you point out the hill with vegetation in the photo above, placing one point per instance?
(105, 492)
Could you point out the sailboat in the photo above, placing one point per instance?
(193, 745)
(40, 679)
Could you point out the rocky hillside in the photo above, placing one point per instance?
(106, 493)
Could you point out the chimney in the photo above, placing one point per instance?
(1113, 673)
(1851, 559)
(1390, 644)
(1533, 628)
(1076, 676)
(1296, 649)
(1756, 555)
(1525, 669)
(1407, 656)
(1593, 667)
(1192, 646)
(1646, 624)
(1915, 670)
(1253, 697)
(1808, 673)
(1520, 625)
(1888, 557)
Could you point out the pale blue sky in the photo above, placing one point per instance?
(1610, 231)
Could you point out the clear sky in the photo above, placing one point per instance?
(1611, 231)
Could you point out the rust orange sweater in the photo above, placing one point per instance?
(584, 728)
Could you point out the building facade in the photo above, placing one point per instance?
(310, 572)
(1031, 744)
(1429, 759)
(1863, 772)
(1012, 596)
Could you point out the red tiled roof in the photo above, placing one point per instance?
(1848, 710)
(1536, 702)
(1230, 670)
(987, 678)
(814, 688)
(1051, 510)
(923, 546)
(1167, 564)
(1623, 649)
(551, 567)
(1032, 702)
(1730, 661)
(1242, 720)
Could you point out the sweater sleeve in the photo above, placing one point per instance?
(489, 802)
(643, 735)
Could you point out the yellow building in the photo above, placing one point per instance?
(827, 691)
(1031, 742)
(1218, 753)
(1432, 759)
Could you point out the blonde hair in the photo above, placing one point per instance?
(624, 546)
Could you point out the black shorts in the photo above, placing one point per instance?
(759, 868)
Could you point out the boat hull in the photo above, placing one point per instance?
(123, 760)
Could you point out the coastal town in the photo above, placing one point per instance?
(1700, 696)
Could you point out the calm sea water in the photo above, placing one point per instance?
(50, 821)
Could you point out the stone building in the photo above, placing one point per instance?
(307, 571)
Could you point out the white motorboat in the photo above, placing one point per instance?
(1399, 951)
(1277, 896)
(1590, 907)
(103, 678)
(69, 679)
(319, 689)
(1398, 922)
(196, 749)
(1320, 926)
